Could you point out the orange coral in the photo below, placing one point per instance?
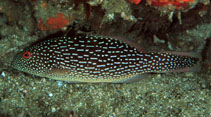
(44, 5)
(54, 23)
(177, 3)
(134, 1)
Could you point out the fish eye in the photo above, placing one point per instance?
(26, 55)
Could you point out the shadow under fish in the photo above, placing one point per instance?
(93, 58)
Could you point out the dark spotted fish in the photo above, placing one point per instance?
(91, 58)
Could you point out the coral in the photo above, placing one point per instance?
(173, 4)
(175, 7)
(134, 1)
(54, 23)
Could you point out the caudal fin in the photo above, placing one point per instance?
(191, 58)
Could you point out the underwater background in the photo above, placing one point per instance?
(155, 25)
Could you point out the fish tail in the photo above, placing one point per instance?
(171, 62)
(192, 61)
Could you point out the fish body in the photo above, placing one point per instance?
(91, 58)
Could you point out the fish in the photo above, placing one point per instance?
(96, 58)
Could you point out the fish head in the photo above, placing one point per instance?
(30, 61)
(22, 60)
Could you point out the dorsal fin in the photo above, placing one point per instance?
(129, 42)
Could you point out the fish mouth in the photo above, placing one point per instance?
(15, 62)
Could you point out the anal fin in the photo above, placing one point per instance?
(133, 79)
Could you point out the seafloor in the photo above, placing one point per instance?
(154, 28)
